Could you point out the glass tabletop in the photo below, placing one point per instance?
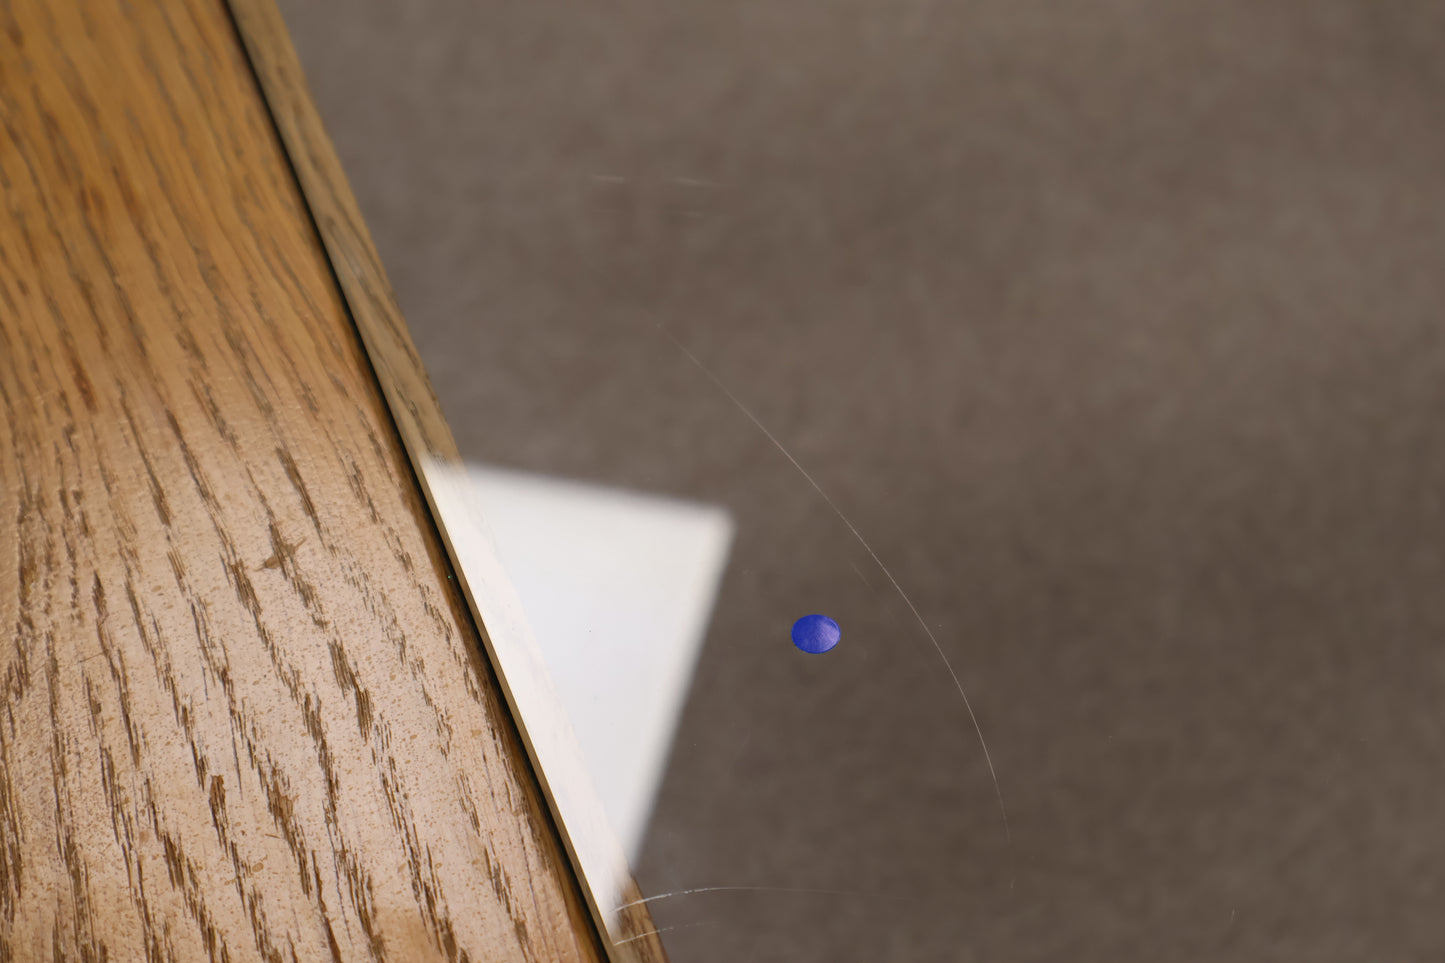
(1076, 373)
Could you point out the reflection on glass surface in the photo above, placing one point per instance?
(1113, 327)
(617, 588)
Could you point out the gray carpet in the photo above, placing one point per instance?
(1114, 326)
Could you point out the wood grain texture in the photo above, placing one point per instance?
(607, 884)
(243, 712)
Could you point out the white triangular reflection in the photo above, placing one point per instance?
(618, 588)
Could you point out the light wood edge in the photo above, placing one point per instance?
(627, 929)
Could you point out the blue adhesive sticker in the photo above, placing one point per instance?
(816, 634)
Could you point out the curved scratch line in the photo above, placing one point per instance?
(735, 889)
(983, 743)
(665, 929)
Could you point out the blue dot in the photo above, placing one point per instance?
(816, 634)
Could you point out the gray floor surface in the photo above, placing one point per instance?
(1114, 326)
